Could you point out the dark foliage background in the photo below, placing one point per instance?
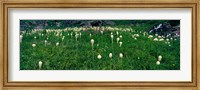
(61, 24)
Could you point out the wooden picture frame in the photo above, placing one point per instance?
(193, 4)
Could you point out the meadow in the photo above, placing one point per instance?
(98, 48)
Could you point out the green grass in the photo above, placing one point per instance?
(140, 54)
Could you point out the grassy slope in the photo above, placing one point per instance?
(140, 54)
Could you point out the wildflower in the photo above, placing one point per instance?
(92, 42)
(167, 39)
(90, 35)
(63, 38)
(117, 33)
(111, 37)
(110, 55)
(156, 34)
(135, 38)
(120, 44)
(158, 62)
(159, 58)
(111, 33)
(80, 34)
(99, 56)
(161, 39)
(150, 36)
(71, 34)
(45, 41)
(21, 36)
(76, 36)
(145, 33)
(167, 42)
(155, 39)
(40, 64)
(101, 31)
(57, 34)
(121, 55)
(57, 43)
(35, 37)
(137, 35)
(120, 36)
(118, 40)
(33, 45)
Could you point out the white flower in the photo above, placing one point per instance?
(120, 36)
(90, 35)
(121, 55)
(57, 43)
(101, 31)
(21, 36)
(159, 58)
(156, 34)
(35, 37)
(71, 34)
(167, 42)
(57, 34)
(118, 40)
(80, 34)
(45, 42)
(111, 36)
(167, 39)
(158, 62)
(117, 32)
(111, 33)
(99, 56)
(40, 64)
(63, 38)
(150, 36)
(42, 35)
(76, 36)
(110, 55)
(137, 35)
(120, 44)
(33, 45)
(135, 38)
(161, 39)
(92, 41)
(155, 39)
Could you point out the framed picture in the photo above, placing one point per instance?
(100, 44)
